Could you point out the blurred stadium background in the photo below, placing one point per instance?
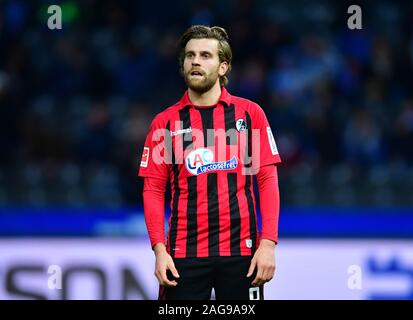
(76, 104)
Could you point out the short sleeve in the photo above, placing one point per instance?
(155, 160)
(267, 153)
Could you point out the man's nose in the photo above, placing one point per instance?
(195, 61)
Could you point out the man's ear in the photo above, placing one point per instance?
(223, 68)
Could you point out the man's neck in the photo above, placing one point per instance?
(208, 98)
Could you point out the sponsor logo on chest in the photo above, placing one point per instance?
(201, 161)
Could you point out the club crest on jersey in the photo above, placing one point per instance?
(202, 161)
(241, 125)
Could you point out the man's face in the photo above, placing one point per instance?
(201, 64)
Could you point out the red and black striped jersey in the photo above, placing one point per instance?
(210, 155)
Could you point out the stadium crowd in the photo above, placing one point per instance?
(76, 103)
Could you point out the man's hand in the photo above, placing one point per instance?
(264, 260)
(164, 262)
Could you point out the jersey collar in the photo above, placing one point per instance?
(224, 99)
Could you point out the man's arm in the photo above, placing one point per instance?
(267, 179)
(154, 211)
(264, 257)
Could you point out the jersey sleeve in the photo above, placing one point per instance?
(155, 159)
(267, 152)
(267, 180)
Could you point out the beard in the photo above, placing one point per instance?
(201, 85)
